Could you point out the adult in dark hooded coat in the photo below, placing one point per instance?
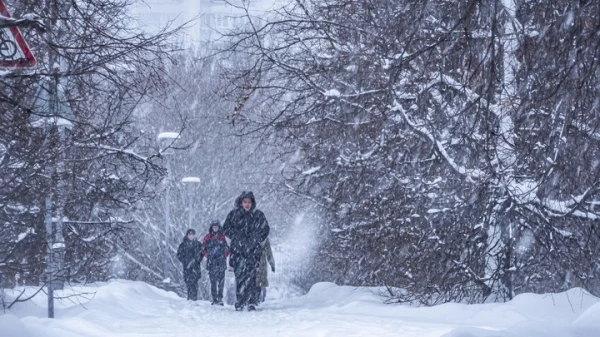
(189, 253)
(216, 251)
(248, 229)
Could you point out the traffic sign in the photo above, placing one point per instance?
(14, 52)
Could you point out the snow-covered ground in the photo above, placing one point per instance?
(127, 308)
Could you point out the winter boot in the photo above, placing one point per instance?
(251, 308)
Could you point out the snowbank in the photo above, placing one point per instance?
(10, 325)
(127, 308)
(590, 317)
(574, 313)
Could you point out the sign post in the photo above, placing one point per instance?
(14, 51)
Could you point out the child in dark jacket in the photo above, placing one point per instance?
(216, 251)
(189, 254)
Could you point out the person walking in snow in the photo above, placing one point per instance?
(189, 253)
(262, 280)
(216, 251)
(247, 228)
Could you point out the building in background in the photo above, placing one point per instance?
(206, 18)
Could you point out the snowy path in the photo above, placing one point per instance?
(210, 321)
(147, 313)
(134, 309)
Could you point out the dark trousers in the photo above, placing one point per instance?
(217, 282)
(191, 284)
(247, 292)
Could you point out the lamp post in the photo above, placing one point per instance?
(190, 181)
(162, 138)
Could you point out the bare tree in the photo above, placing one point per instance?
(439, 137)
(71, 158)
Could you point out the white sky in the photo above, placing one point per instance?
(205, 15)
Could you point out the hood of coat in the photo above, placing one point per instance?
(215, 223)
(189, 231)
(244, 195)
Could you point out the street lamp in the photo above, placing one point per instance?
(190, 181)
(162, 138)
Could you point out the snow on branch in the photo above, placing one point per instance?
(311, 170)
(114, 150)
(111, 221)
(523, 191)
(337, 93)
(28, 20)
(563, 208)
(472, 175)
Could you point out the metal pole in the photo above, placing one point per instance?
(167, 225)
(53, 58)
(190, 206)
(50, 263)
(58, 250)
(49, 253)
